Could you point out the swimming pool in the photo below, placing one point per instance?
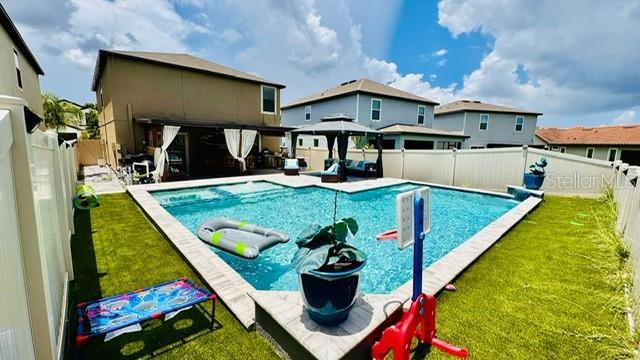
(456, 216)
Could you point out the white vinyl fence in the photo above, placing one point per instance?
(627, 196)
(488, 169)
(37, 183)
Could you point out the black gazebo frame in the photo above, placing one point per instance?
(339, 127)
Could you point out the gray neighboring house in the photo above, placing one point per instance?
(487, 125)
(374, 105)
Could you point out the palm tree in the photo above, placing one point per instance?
(58, 114)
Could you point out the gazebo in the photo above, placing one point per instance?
(339, 127)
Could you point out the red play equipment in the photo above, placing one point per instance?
(420, 320)
(388, 235)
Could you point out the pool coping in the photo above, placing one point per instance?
(284, 307)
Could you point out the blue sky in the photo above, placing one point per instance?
(539, 55)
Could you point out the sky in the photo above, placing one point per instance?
(576, 62)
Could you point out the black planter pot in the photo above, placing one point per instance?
(328, 297)
(532, 181)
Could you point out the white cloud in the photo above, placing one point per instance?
(442, 62)
(627, 117)
(573, 67)
(231, 36)
(120, 24)
(441, 52)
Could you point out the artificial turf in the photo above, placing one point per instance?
(116, 249)
(550, 289)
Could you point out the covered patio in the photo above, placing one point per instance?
(340, 128)
(195, 149)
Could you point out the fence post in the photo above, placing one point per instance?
(525, 152)
(402, 171)
(454, 153)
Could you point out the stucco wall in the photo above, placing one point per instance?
(600, 152)
(8, 79)
(135, 89)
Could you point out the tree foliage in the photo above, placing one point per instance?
(58, 114)
(93, 125)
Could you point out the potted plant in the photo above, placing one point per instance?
(328, 269)
(535, 177)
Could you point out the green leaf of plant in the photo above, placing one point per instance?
(313, 260)
(352, 224)
(342, 231)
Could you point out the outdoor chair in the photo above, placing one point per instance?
(291, 167)
(331, 175)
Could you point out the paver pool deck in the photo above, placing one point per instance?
(280, 313)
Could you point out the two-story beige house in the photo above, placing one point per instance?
(138, 93)
(19, 70)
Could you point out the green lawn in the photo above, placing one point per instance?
(551, 289)
(119, 251)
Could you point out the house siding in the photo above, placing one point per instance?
(343, 105)
(500, 130)
(8, 79)
(393, 111)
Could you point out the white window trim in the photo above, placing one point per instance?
(16, 60)
(563, 149)
(609, 153)
(424, 120)
(307, 112)
(555, 148)
(275, 100)
(515, 127)
(480, 122)
(593, 152)
(380, 110)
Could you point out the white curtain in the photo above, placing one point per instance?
(234, 137)
(168, 134)
(248, 138)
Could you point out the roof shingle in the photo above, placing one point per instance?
(477, 106)
(604, 135)
(363, 86)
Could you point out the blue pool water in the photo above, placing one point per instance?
(456, 216)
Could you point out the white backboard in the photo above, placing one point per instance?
(404, 215)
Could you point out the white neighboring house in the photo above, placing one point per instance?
(487, 125)
(609, 143)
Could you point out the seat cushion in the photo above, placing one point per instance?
(291, 164)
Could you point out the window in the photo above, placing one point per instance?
(300, 142)
(307, 113)
(613, 153)
(268, 99)
(316, 143)
(563, 149)
(476, 147)
(18, 74)
(421, 112)
(418, 145)
(589, 153)
(519, 123)
(376, 107)
(448, 145)
(484, 122)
